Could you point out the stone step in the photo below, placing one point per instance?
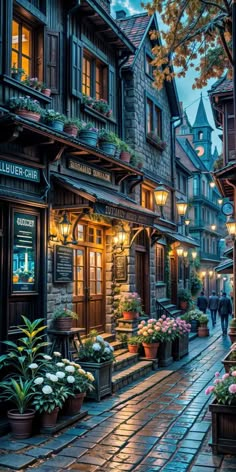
(164, 301)
(125, 360)
(118, 345)
(119, 352)
(125, 377)
(109, 337)
(176, 312)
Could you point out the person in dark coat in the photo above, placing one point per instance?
(202, 302)
(225, 309)
(213, 304)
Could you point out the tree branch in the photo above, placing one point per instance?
(226, 48)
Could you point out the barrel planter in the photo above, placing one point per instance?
(102, 374)
(180, 346)
(88, 137)
(108, 148)
(57, 125)
(223, 428)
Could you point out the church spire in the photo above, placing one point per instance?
(201, 117)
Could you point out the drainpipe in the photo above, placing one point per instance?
(175, 122)
(121, 98)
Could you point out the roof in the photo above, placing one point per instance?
(185, 240)
(99, 194)
(201, 116)
(225, 267)
(221, 86)
(134, 27)
(188, 149)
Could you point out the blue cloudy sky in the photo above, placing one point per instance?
(187, 95)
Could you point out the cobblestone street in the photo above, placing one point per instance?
(161, 423)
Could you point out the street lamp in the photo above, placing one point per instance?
(213, 227)
(231, 227)
(194, 254)
(181, 208)
(161, 195)
(180, 251)
(64, 228)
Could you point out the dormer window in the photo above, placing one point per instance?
(200, 135)
(148, 65)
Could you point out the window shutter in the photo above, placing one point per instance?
(76, 66)
(112, 89)
(53, 61)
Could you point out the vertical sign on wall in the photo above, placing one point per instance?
(24, 253)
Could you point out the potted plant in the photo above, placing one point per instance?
(184, 297)
(45, 90)
(150, 336)
(223, 411)
(125, 151)
(96, 356)
(54, 119)
(229, 360)
(133, 344)
(16, 72)
(203, 330)
(26, 107)
(130, 305)
(181, 343)
(88, 134)
(32, 82)
(79, 382)
(62, 319)
(19, 392)
(192, 317)
(168, 333)
(136, 160)
(102, 107)
(71, 127)
(156, 140)
(107, 141)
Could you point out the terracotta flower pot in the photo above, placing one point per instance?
(21, 423)
(203, 331)
(130, 315)
(125, 156)
(48, 420)
(151, 350)
(133, 348)
(63, 324)
(46, 92)
(72, 130)
(73, 404)
(29, 115)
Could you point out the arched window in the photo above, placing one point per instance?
(200, 135)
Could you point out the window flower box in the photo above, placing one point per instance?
(156, 141)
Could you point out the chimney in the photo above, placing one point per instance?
(120, 14)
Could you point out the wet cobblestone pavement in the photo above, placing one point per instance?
(160, 424)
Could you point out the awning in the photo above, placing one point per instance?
(172, 235)
(229, 253)
(107, 201)
(225, 267)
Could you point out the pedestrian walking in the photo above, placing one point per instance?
(225, 309)
(213, 304)
(202, 302)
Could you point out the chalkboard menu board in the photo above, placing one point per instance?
(121, 268)
(63, 264)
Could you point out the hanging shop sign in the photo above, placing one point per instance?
(123, 214)
(63, 264)
(19, 171)
(84, 169)
(24, 252)
(121, 268)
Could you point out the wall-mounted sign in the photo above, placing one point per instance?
(19, 171)
(63, 264)
(24, 252)
(123, 214)
(121, 268)
(84, 169)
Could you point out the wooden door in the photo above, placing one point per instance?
(142, 270)
(89, 287)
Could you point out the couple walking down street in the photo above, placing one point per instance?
(223, 305)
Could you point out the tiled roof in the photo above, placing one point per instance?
(134, 27)
(225, 86)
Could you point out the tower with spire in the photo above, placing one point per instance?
(202, 130)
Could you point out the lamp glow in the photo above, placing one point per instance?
(179, 251)
(231, 226)
(185, 253)
(161, 195)
(210, 273)
(187, 221)
(203, 273)
(194, 254)
(213, 227)
(64, 227)
(181, 207)
(220, 201)
(212, 184)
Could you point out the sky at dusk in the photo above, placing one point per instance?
(187, 95)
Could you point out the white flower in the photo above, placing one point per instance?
(54, 378)
(96, 347)
(38, 380)
(111, 348)
(33, 366)
(100, 339)
(106, 344)
(47, 358)
(66, 361)
(60, 364)
(70, 368)
(57, 354)
(47, 390)
(70, 379)
(60, 375)
(107, 350)
(48, 375)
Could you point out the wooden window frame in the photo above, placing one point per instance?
(94, 63)
(147, 66)
(22, 23)
(156, 125)
(160, 254)
(148, 193)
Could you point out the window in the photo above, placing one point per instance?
(24, 257)
(146, 198)
(21, 56)
(195, 186)
(154, 118)
(200, 135)
(148, 65)
(159, 263)
(94, 77)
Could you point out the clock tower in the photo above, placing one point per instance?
(202, 130)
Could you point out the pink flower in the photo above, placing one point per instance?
(232, 388)
(216, 381)
(233, 373)
(217, 374)
(225, 376)
(209, 389)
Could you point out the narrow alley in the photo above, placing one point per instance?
(160, 424)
